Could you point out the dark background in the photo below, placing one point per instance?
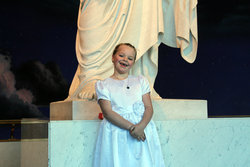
(37, 39)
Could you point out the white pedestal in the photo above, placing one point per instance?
(187, 137)
(213, 142)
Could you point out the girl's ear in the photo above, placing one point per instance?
(112, 59)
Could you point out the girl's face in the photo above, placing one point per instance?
(123, 59)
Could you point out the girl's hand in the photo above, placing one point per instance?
(137, 131)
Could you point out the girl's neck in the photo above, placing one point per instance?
(119, 76)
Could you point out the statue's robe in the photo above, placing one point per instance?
(102, 24)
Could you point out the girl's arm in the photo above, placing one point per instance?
(112, 116)
(148, 113)
(138, 130)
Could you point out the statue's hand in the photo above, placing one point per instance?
(88, 91)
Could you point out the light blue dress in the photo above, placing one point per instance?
(115, 147)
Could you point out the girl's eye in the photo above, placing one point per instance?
(130, 58)
(121, 55)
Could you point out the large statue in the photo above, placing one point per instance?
(102, 24)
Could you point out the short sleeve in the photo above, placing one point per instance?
(101, 91)
(145, 88)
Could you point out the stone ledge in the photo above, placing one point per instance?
(164, 109)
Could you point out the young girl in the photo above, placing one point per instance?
(127, 135)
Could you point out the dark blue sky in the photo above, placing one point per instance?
(45, 31)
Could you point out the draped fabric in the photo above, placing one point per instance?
(102, 24)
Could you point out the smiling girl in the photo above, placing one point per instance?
(127, 135)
